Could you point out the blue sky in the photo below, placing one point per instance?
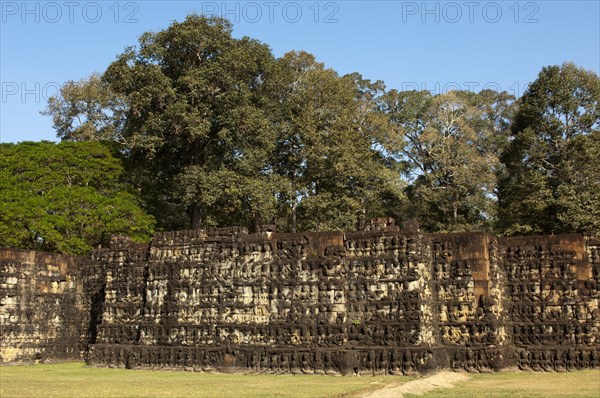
(434, 45)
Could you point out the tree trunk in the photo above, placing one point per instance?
(196, 217)
(293, 216)
(455, 214)
(361, 219)
(255, 223)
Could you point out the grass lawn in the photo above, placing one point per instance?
(584, 383)
(77, 380)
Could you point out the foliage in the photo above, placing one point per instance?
(450, 149)
(65, 197)
(87, 110)
(334, 177)
(549, 184)
(578, 202)
(214, 131)
(195, 117)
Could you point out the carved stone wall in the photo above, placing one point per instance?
(41, 311)
(388, 300)
(314, 302)
(470, 301)
(553, 288)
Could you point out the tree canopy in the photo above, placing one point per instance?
(67, 197)
(450, 149)
(215, 130)
(332, 176)
(550, 183)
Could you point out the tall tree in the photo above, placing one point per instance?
(449, 149)
(543, 187)
(216, 131)
(193, 115)
(324, 154)
(88, 110)
(66, 197)
(578, 202)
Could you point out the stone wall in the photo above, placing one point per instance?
(42, 316)
(388, 300)
(314, 302)
(553, 288)
(470, 301)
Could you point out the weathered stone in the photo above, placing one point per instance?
(43, 311)
(388, 300)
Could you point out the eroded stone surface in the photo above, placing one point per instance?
(385, 301)
(41, 306)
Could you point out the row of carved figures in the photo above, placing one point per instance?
(332, 362)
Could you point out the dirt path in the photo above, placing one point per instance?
(420, 386)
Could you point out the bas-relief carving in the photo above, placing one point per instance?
(383, 301)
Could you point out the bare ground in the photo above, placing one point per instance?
(420, 386)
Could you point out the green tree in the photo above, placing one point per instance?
(547, 185)
(450, 153)
(216, 131)
(195, 115)
(66, 197)
(330, 173)
(578, 202)
(191, 113)
(88, 110)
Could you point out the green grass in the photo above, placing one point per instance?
(579, 384)
(77, 380)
